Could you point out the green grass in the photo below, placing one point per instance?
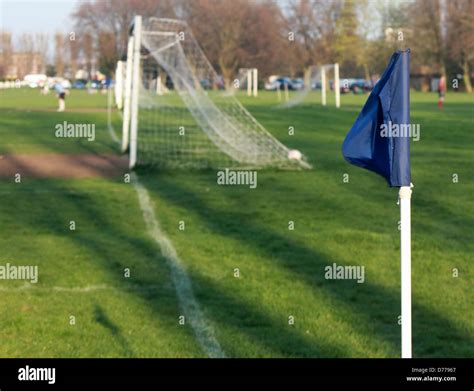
(28, 120)
(282, 271)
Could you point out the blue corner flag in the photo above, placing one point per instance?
(378, 140)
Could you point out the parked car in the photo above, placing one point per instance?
(206, 84)
(35, 80)
(343, 88)
(359, 86)
(79, 84)
(297, 84)
(316, 85)
(279, 82)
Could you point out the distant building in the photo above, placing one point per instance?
(425, 78)
(22, 64)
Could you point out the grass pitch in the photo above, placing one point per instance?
(81, 272)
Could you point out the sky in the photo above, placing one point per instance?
(36, 16)
(50, 16)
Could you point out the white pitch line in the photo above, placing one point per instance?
(110, 127)
(188, 303)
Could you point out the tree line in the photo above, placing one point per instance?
(286, 36)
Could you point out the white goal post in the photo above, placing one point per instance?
(246, 78)
(325, 69)
(194, 124)
(127, 93)
(252, 82)
(119, 84)
(314, 75)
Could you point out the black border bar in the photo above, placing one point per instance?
(133, 372)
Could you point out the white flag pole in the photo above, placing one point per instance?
(405, 249)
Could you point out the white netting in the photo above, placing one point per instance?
(195, 124)
(312, 81)
(312, 77)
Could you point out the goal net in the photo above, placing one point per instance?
(321, 77)
(311, 77)
(180, 115)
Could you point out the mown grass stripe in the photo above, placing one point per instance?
(188, 303)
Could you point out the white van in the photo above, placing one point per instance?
(35, 80)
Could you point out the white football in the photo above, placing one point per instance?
(294, 154)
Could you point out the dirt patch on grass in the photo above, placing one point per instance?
(54, 110)
(62, 166)
(79, 110)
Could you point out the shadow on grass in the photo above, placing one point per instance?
(101, 317)
(251, 324)
(432, 328)
(86, 209)
(374, 298)
(37, 131)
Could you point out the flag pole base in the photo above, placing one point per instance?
(405, 250)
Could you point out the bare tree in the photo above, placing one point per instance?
(241, 33)
(428, 33)
(105, 46)
(59, 54)
(6, 51)
(460, 30)
(347, 41)
(367, 30)
(88, 52)
(113, 18)
(251, 33)
(303, 31)
(26, 54)
(219, 27)
(73, 55)
(41, 44)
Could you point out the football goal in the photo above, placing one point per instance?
(322, 77)
(119, 84)
(176, 112)
(246, 80)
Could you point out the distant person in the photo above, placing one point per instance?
(441, 91)
(61, 92)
